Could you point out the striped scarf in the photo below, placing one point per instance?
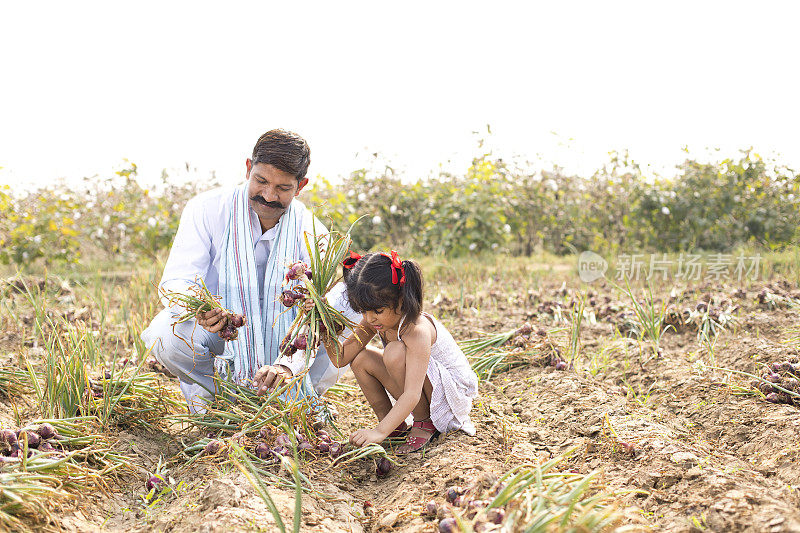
(259, 339)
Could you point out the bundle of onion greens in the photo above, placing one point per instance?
(129, 397)
(499, 352)
(26, 498)
(200, 300)
(327, 251)
(13, 382)
(70, 448)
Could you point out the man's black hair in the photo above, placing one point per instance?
(283, 150)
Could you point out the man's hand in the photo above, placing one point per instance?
(269, 377)
(365, 436)
(213, 321)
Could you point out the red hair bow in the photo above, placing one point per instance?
(397, 265)
(351, 261)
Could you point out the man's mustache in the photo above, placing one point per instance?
(261, 201)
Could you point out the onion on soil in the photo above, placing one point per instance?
(496, 516)
(431, 507)
(262, 451)
(383, 467)
(8, 437)
(448, 525)
(33, 438)
(214, 447)
(335, 449)
(154, 482)
(453, 493)
(47, 431)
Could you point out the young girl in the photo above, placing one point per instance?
(421, 366)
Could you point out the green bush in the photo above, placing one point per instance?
(494, 206)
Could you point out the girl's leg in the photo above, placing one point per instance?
(394, 357)
(374, 380)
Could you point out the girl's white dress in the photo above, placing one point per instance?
(454, 382)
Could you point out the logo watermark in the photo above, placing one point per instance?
(591, 266)
(684, 267)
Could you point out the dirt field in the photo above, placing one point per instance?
(679, 446)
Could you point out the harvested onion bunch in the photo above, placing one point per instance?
(778, 378)
(200, 301)
(314, 281)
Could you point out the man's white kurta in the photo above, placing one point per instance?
(196, 253)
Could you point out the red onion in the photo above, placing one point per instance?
(496, 516)
(8, 437)
(627, 447)
(287, 298)
(229, 333)
(766, 388)
(300, 342)
(562, 365)
(154, 482)
(322, 434)
(237, 320)
(262, 451)
(305, 447)
(774, 378)
(264, 432)
(476, 504)
(430, 508)
(453, 493)
(213, 447)
(524, 329)
(283, 440)
(773, 397)
(282, 450)
(448, 525)
(46, 447)
(323, 447)
(296, 270)
(34, 440)
(383, 467)
(335, 449)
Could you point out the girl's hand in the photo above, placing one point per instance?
(365, 436)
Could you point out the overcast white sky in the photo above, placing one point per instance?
(85, 84)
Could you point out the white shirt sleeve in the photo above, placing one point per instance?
(190, 255)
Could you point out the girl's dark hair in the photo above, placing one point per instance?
(370, 287)
(284, 150)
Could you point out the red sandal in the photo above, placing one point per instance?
(399, 432)
(415, 444)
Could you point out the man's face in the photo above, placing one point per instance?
(271, 191)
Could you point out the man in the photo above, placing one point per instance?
(240, 241)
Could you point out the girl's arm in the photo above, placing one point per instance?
(417, 341)
(353, 344)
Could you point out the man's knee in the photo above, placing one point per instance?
(164, 341)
